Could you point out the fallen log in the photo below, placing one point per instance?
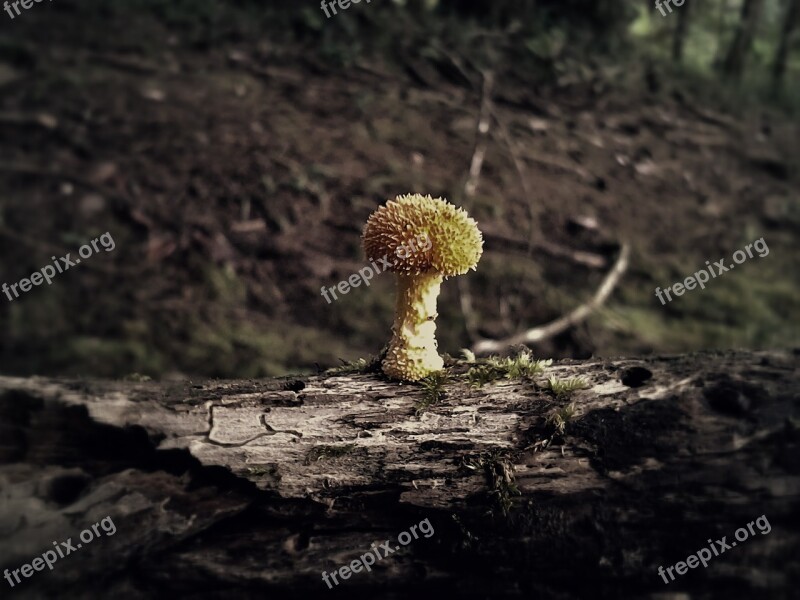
(255, 488)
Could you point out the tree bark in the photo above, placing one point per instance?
(733, 66)
(251, 489)
(784, 43)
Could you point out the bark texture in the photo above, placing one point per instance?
(250, 489)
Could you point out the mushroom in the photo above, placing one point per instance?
(455, 246)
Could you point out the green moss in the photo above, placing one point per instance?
(519, 367)
(482, 374)
(499, 471)
(563, 388)
(557, 420)
(360, 365)
(555, 426)
(523, 365)
(433, 391)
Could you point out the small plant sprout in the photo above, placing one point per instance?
(469, 355)
(498, 468)
(454, 246)
(482, 374)
(563, 388)
(360, 365)
(556, 426)
(558, 419)
(433, 391)
(522, 365)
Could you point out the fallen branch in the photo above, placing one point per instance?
(499, 242)
(484, 119)
(537, 334)
(470, 187)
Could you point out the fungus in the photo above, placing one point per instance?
(454, 247)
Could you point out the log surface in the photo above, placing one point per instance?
(253, 488)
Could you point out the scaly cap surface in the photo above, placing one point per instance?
(456, 243)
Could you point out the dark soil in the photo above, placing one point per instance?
(235, 175)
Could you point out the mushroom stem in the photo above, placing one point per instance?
(413, 348)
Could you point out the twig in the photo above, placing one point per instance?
(470, 187)
(561, 324)
(533, 214)
(478, 155)
(519, 165)
(502, 243)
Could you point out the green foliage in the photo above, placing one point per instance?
(360, 365)
(558, 419)
(711, 28)
(555, 426)
(563, 388)
(433, 391)
(523, 365)
(519, 367)
(483, 374)
(499, 471)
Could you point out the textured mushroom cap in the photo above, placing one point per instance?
(456, 243)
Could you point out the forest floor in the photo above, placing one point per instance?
(235, 178)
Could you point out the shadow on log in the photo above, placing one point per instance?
(251, 489)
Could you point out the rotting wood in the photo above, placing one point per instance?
(253, 488)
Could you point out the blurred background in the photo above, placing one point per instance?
(234, 151)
